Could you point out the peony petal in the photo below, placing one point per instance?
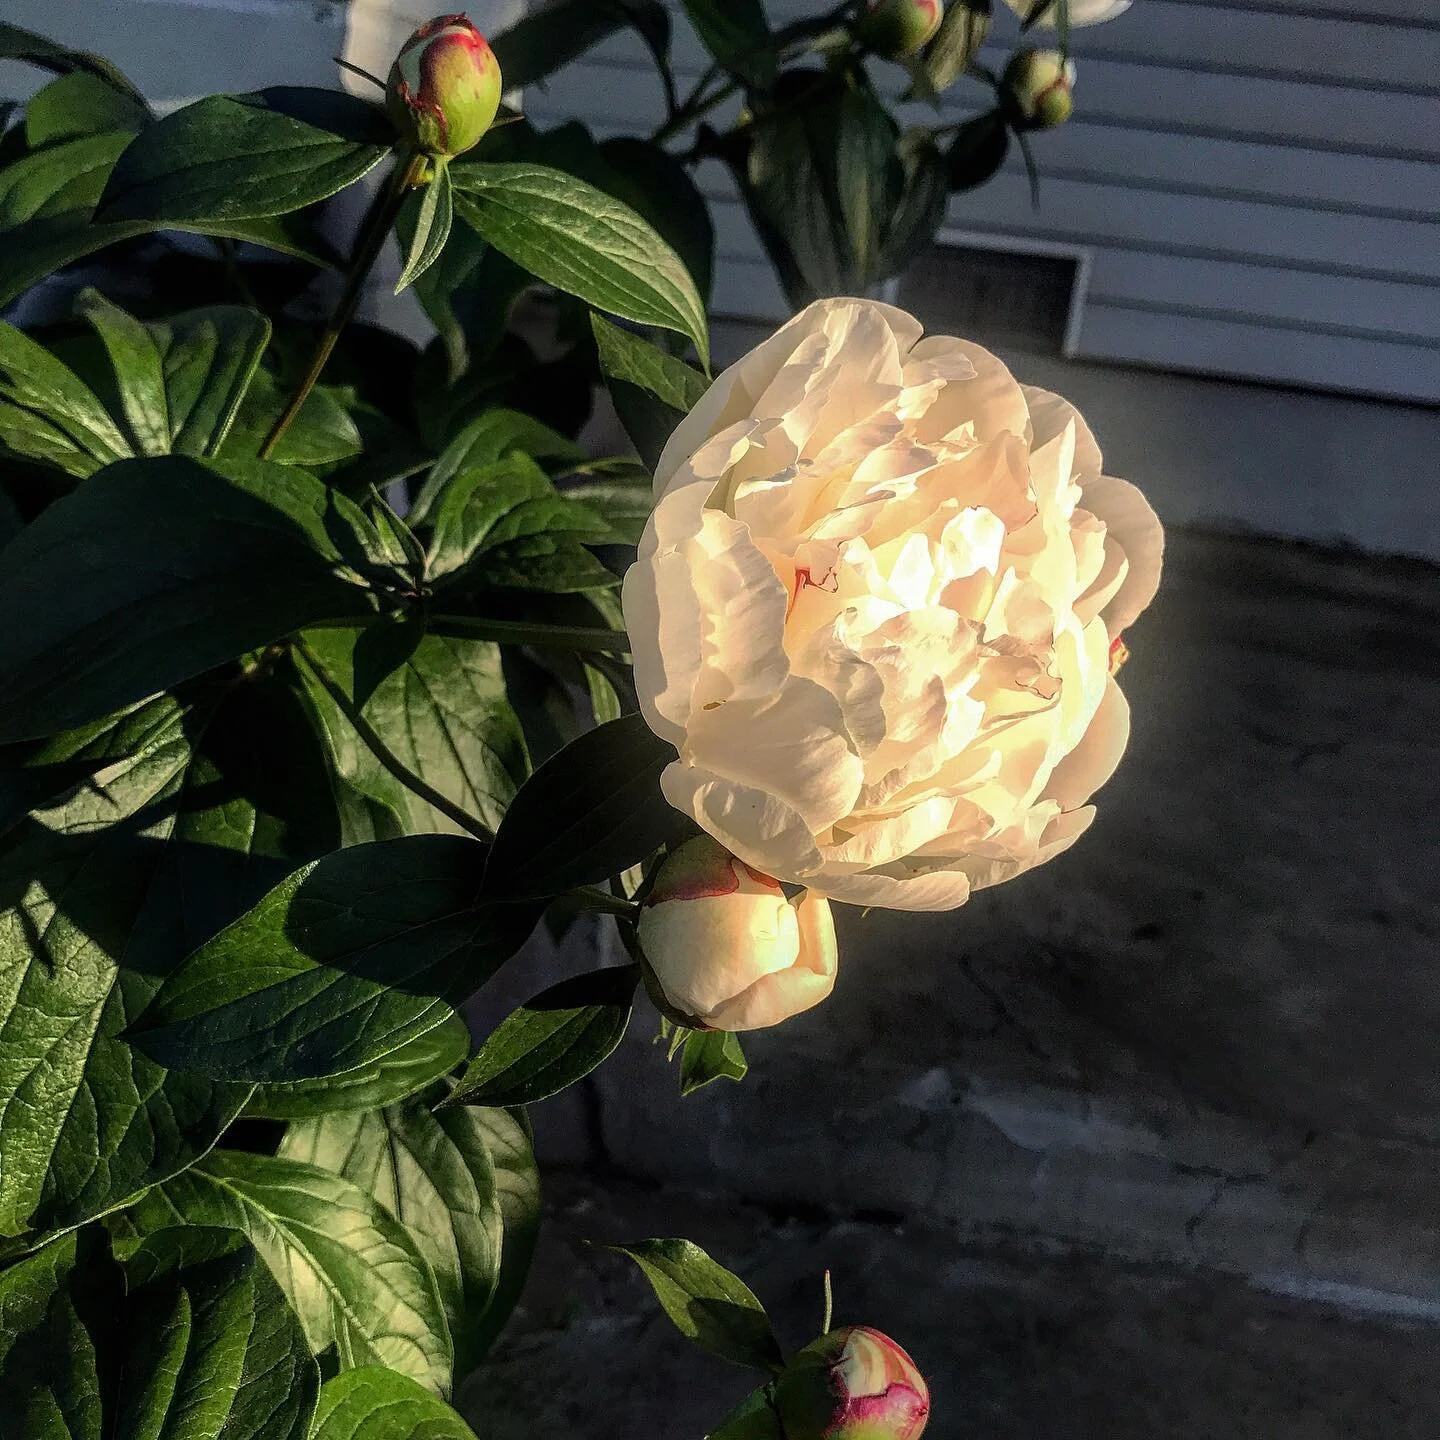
(1093, 761)
(992, 402)
(1135, 526)
(1049, 415)
(934, 889)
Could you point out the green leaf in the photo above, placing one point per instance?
(181, 381)
(433, 1173)
(554, 1040)
(492, 436)
(582, 241)
(182, 822)
(394, 1077)
(823, 179)
(623, 502)
(755, 1418)
(373, 1403)
(434, 214)
(39, 247)
(587, 814)
(708, 1304)
(913, 223)
(736, 33)
(339, 966)
(47, 413)
(978, 150)
(443, 713)
(711, 1055)
(86, 628)
(505, 526)
(81, 104)
(323, 433)
(652, 391)
(351, 1272)
(64, 179)
(18, 44)
(956, 44)
(239, 157)
(545, 41)
(200, 1343)
(517, 1187)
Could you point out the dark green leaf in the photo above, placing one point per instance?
(39, 247)
(652, 391)
(755, 1418)
(81, 104)
(201, 1344)
(505, 526)
(956, 44)
(86, 628)
(582, 241)
(710, 1055)
(175, 824)
(823, 180)
(708, 1304)
(434, 212)
(921, 212)
(18, 44)
(517, 1186)
(553, 1041)
(402, 1073)
(374, 1403)
(587, 814)
(491, 436)
(323, 433)
(547, 40)
(64, 179)
(442, 712)
(182, 380)
(736, 33)
(237, 157)
(350, 1271)
(433, 1173)
(624, 502)
(977, 151)
(342, 964)
(47, 413)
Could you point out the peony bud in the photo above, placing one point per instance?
(444, 89)
(897, 29)
(1078, 13)
(727, 949)
(853, 1384)
(1039, 83)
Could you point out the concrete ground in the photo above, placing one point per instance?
(1141, 1144)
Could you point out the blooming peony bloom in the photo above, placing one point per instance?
(874, 608)
(726, 947)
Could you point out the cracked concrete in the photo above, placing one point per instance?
(1183, 1081)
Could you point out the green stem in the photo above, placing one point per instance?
(403, 178)
(524, 632)
(381, 751)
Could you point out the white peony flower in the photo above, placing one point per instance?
(1082, 12)
(874, 610)
(726, 947)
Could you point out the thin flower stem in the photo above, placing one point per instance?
(403, 178)
(524, 632)
(829, 1305)
(381, 751)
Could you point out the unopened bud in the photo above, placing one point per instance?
(1039, 84)
(898, 29)
(852, 1384)
(444, 88)
(726, 948)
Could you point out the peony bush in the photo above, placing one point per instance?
(332, 666)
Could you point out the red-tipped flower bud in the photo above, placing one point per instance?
(727, 950)
(853, 1384)
(897, 29)
(444, 88)
(1039, 84)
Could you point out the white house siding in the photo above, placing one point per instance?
(1255, 183)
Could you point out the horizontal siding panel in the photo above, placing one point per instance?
(1406, 12)
(1101, 214)
(748, 289)
(1257, 352)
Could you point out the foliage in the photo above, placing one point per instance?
(316, 697)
